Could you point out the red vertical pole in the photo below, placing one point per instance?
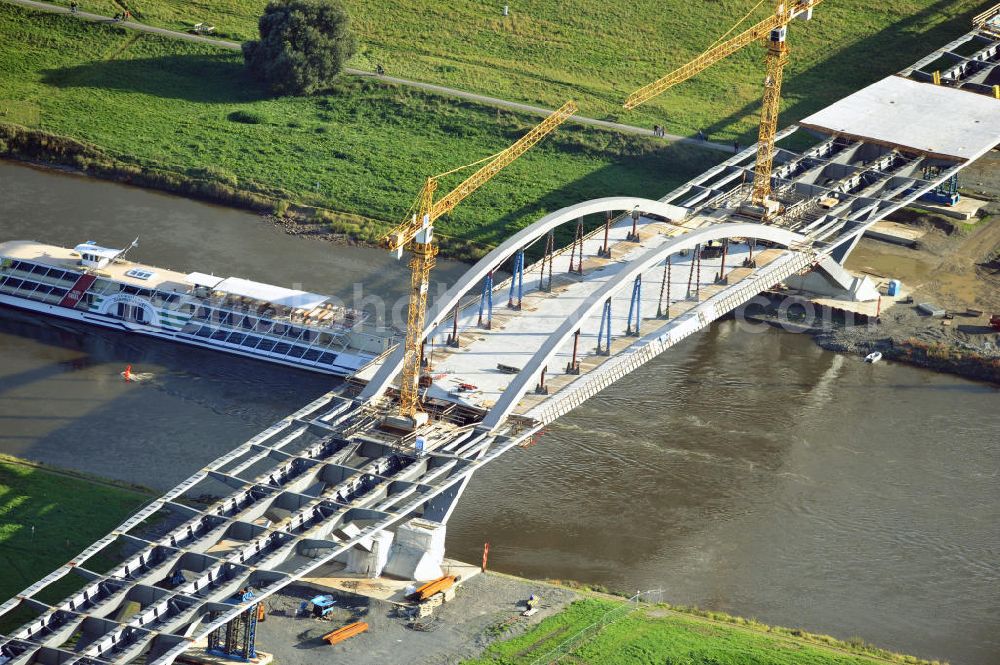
(486, 554)
(878, 307)
(573, 367)
(540, 389)
(605, 252)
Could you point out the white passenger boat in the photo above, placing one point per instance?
(873, 357)
(97, 285)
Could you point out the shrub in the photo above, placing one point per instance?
(303, 45)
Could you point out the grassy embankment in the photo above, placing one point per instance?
(186, 117)
(597, 52)
(660, 634)
(46, 517)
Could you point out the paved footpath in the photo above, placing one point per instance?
(430, 87)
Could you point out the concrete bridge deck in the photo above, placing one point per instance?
(322, 485)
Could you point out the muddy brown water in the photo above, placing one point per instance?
(750, 472)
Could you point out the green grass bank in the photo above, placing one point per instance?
(596, 52)
(47, 516)
(186, 117)
(664, 635)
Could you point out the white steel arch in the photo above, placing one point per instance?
(624, 279)
(393, 363)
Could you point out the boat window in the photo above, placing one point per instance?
(227, 319)
(220, 334)
(204, 332)
(249, 322)
(311, 354)
(14, 282)
(328, 358)
(282, 348)
(236, 338)
(266, 345)
(58, 291)
(251, 340)
(296, 352)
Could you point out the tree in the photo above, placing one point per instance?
(303, 45)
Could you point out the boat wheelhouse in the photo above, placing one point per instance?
(98, 285)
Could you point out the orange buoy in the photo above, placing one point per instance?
(127, 373)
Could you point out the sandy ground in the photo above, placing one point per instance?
(485, 608)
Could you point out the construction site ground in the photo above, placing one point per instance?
(955, 265)
(485, 608)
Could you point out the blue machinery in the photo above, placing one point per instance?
(236, 640)
(944, 194)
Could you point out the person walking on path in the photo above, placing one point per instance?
(73, 7)
(736, 147)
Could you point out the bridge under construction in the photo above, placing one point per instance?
(333, 487)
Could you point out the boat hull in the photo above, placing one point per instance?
(180, 338)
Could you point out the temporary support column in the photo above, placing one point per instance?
(486, 301)
(722, 268)
(550, 246)
(697, 279)
(749, 263)
(453, 337)
(661, 311)
(577, 240)
(605, 252)
(605, 325)
(634, 233)
(697, 252)
(573, 366)
(635, 307)
(541, 388)
(517, 280)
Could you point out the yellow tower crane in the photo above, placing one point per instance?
(774, 30)
(418, 234)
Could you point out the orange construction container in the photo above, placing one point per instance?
(341, 634)
(431, 588)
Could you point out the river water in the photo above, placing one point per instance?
(745, 471)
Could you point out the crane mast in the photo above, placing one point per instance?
(418, 233)
(774, 29)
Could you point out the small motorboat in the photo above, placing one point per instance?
(873, 357)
